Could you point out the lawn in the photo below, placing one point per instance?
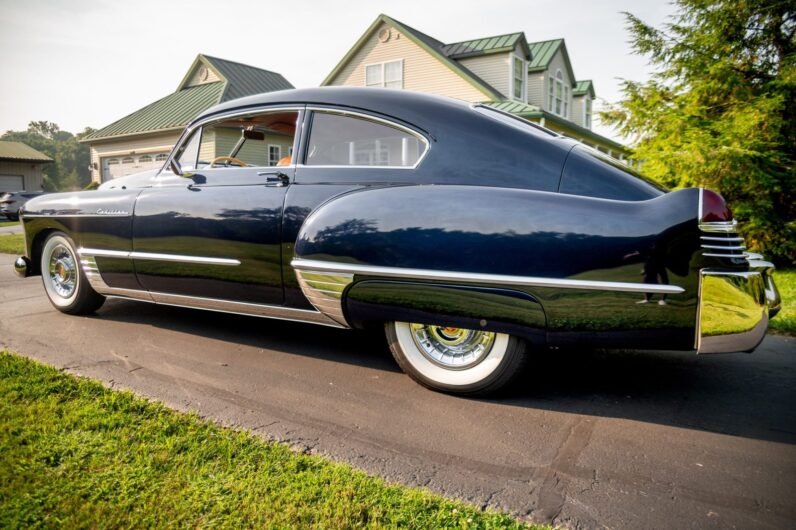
(12, 244)
(785, 321)
(8, 223)
(76, 454)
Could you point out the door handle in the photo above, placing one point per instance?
(275, 179)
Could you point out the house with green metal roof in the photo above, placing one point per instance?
(21, 167)
(142, 140)
(534, 80)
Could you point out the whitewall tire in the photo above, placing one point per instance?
(456, 360)
(64, 281)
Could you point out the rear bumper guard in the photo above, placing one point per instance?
(734, 308)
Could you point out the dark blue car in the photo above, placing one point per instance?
(472, 237)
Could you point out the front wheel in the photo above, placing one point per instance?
(456, 360)
(64, 281)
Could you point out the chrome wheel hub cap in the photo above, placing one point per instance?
(452, 348)
(63, 271)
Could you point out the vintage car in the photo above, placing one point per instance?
(473, 237)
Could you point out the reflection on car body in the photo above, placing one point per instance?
(471, 236)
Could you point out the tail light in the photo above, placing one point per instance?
(721, 239)
(713, 208)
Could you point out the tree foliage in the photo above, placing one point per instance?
(69, 171)
(720, 110)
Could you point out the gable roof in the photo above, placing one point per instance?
(431, 45)
(21, 152)
(542, 54)
(487, 45)
(174, 111)
(583, 87)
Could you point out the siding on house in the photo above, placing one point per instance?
(577, 110)
(422, 72)
(32, 173)
(536, 89)
(557, 63)
(220, 142)
(494, 69)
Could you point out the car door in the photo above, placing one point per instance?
(215, 231)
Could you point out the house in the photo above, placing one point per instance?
(143, 139)
(534, 80)
(21, 167)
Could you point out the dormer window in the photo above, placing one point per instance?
(518, 77)
(587, 112)
(558, 95)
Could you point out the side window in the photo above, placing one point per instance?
(338, 140)
(254, 140)
(186, 155)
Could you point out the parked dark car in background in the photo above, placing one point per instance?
(11, 202)
(471, 236)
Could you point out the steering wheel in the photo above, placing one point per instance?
(229, 160)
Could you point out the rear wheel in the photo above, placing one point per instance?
(64, 281)
(456, 360)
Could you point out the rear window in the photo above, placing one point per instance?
(590, 173)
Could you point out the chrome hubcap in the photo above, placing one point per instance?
(453, 348)
(63, 271)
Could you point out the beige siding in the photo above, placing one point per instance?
(136, 145)
(32, 173)
(577, 110)
(253, 152)
(194, 79)
(494, 69)
(422, 71)
(536, 90)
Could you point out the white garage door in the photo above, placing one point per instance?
(121, 166)
(12, 183)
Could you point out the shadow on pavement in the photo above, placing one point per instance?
(751, 396)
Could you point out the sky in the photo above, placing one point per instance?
(82, 63)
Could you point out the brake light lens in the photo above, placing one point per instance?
(714, 208)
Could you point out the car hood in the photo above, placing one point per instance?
(136, 180)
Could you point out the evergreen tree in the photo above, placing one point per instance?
(720, 110)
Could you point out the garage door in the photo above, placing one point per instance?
(12, 183)
(121, 166)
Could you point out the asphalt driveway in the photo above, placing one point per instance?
(591, 439)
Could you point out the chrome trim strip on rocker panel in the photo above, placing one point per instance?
(94, 277)
(325, 267)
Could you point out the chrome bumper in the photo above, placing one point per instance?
(734, 308)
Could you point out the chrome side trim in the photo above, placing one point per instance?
(727, 239)
(727, 247)
(324, 290)
(151, 256)
(58, 215)
(719, 226)
(157, 257)
(742, 255)
(470, 277)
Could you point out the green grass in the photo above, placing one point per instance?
(8, 223)
(74, 454)
(785, 321)
(12, 244)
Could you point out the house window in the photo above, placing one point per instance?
(145, 158)
(388, 75)
(161, 157)
(587, 112)
(518, 77)
(558, 95)
(274, 154)
(113, 161)
(127, 160)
